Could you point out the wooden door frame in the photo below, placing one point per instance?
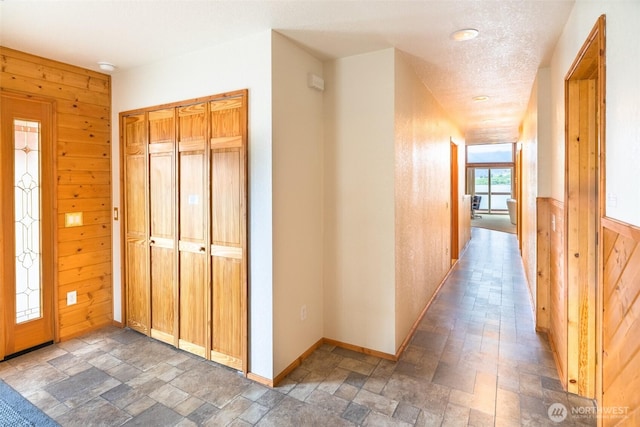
(455, 210)
(584, 329)
(48, 161)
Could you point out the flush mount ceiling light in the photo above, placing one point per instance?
(464, 34)
(106, 66)
(481, 98)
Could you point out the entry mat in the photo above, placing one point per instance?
(16, 411)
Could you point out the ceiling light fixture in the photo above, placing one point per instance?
(106, 66)
(464, 34)
(481, 98)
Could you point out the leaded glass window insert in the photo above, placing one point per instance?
(27, 220)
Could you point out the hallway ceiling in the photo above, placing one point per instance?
(516, 38)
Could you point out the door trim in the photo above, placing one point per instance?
(584, 324)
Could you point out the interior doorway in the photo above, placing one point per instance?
(26, 202)
(585, 112)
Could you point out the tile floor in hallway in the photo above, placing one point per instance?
(475, 360)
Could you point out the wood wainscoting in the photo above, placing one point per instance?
(551, 291)
(620, 323)
(81, 102)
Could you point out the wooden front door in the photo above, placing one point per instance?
(26, 203)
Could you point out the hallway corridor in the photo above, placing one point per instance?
(475, 360)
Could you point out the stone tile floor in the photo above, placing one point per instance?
(475, 360)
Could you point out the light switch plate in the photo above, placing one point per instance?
(73, 219)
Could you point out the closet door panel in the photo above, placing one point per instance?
(193, 269)
(135, 223)
(162, 213)
(228, 231)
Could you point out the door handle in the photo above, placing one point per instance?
(203, 249)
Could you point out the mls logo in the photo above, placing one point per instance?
(557, 412)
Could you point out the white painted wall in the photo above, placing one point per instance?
(422, 195)
(622, 95)
(359, 261)
(297, 202)
(240, 64)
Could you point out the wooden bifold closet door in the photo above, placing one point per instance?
(185, 225)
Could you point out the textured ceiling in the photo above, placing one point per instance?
(516, 38)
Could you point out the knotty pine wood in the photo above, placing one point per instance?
(558, 305)
(83, 166)
(621, 320)
(542, 279)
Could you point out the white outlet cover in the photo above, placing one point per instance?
(72, 298)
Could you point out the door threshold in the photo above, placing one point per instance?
(28, 350)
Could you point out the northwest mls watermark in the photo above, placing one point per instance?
(558, 412)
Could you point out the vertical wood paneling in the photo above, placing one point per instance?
(621, 321)
(543, 260)
(83, 164)
(558, 315)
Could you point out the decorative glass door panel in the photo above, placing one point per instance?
(27, 220)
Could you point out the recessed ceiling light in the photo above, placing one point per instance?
(481, 98)
(106, 66)
(464, 34)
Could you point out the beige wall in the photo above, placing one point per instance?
(422, 203)
(359, 170)
(297, 202)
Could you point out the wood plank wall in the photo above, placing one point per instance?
(83, 163)
(621, 323)
(558, 315)
(551, 287)
(542, 279)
